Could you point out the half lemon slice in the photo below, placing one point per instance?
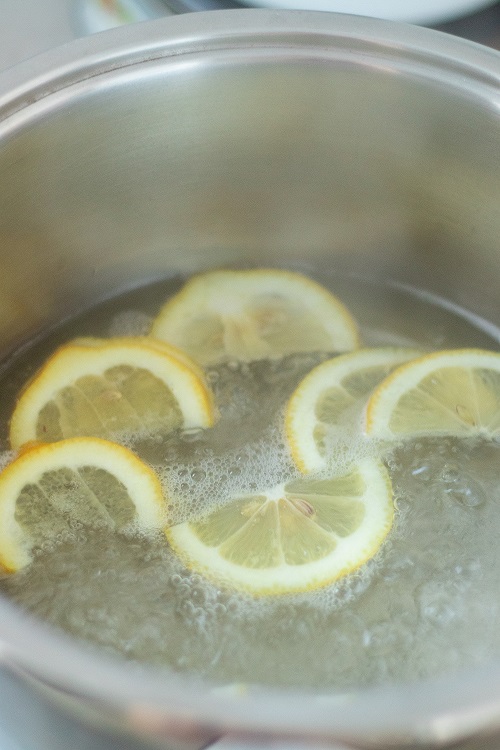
(455, 392)
(104, 387)
(49, 487)
(330, 399)
(161, 346)
(249, 315)
(294, 538)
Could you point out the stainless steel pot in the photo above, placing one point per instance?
(311, 140)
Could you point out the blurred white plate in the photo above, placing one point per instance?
(413, 11)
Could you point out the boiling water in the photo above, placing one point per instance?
(426, 604)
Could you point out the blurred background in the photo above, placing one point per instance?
(31, 26)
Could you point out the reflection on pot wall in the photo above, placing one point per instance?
(268, 162)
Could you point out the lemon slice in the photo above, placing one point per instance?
(85, 480)
(454, 393)
(161, 346)
(120, 385)
(294, 538)
(330, 398)
(249, 315)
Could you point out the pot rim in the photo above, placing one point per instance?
(446, 58)
(438, 710)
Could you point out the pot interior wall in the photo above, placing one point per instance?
(172, 166)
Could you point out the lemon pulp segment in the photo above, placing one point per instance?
(148, 341)
(249, 315)
(86, 480)
(455, 392)
(296, 537)
(123, 385)
(331, 396)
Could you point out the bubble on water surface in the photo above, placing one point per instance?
(427, 603)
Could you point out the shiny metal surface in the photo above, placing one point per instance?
(29, 27)
(262, 137)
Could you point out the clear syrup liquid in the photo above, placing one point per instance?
(426, 604)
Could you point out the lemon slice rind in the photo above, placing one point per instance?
(141, 483)
(74, 360)
(237, 301)
(349, 553)
(301, 419)
(463, 403)
(148, 341)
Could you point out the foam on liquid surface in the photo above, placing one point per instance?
(426, 604)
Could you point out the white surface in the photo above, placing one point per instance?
(413, 11)
(27, 28)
